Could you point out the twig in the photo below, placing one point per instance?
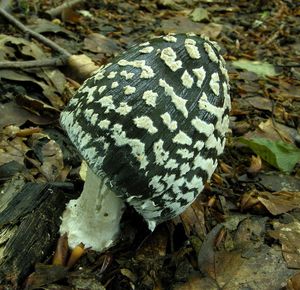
(34, 34)
(58, 10)
(56, 61)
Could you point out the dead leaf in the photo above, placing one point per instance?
(289, 236)
(196, 282)
(260, 103)
(98, 43)
(279, 202)
(13, 114)
(52, 160)
(199, 14)
(182, 24)
(12, 148)
(255, 165)
(294, 282)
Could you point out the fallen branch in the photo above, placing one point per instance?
(56, 61)
(81, 66)
(34, 34)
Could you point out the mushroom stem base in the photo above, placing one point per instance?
(93, 219)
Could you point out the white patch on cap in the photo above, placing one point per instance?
(107, 102)
(195, 183)
(67, 119)
(190, 196)
(227, 102)
(168, 55)
(215, 45)
(101, 89)
(202, 127)
(224, 71)
(126, 74)
(99, 74)
(104, 124)
(185, 154)
(182, 138)
(112, 74)
(147, 71)
(187, 79)
(199, 145)
(190, 34)
(90, 97)
(170, 38)
(128, 90)
(137, 147)
(160, 154)
(169, 180)
(88, 114)
(214, 83)
(184, 168)
(208, 165)
(73, 101)
(94, 119)
(176, 100)
(191, 48)
(147, 49)
(114, 85)
(212, 142)
(145, 43)
(211, 53)
(204, 104)
(146, 123)
(200, 73)
(85, 139)
(177, 184)
(92, 155)
(150, 98)
(171, 164)
(123, 109)
(156, 184)
(172, 125)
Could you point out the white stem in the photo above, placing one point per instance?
(93, 219)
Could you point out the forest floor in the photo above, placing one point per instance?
(242, 232)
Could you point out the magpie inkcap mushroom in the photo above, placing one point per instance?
(150, 125)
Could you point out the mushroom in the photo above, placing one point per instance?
(150, 125)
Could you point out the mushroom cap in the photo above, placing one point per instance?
(154, 120)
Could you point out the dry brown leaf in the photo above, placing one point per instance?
(294, 282)
(193, 220)
(255, 165)
(12, 148)
(279, 202)
(98, 43)
(289, 237)
(273, 131)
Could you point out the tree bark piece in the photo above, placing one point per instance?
(28, 229)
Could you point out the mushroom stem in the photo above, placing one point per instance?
(94, 218)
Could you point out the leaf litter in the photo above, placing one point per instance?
(243, 230)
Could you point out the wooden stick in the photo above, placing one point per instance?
(56, 61)
(34, 34)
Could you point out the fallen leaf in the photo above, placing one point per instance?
(260, 68)
(260, 103)
(279, 154)
(279, 202)
(199, 14)
(270, 129)
(289, 236)
(98, 43)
